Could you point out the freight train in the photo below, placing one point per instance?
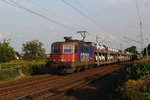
(71, 56)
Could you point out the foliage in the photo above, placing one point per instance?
(8, 74)
(6, 52)
(132, 49)
(146, 49)
(13, 70)
(139, 68)
(20, 63)
(137, 86)
(135, 90)
(33, 50)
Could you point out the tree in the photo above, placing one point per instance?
(146, 50)
(132, 49)
(33, 50)
(7, 53)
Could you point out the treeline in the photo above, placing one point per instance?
(31, 50)
(133, 49)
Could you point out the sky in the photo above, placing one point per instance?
(103, 18)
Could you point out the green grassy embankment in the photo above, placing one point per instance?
(18, 69)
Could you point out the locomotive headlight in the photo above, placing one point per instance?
(68, 59)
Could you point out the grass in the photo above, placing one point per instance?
(20, 63)
(19, 68)
(23, 78)
(136, 89)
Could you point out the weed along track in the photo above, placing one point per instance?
(53, 87)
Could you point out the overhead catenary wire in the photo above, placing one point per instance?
(31, 11)
(82, 6)
(43, 8)
(131, 39)
(49, 11)
(91, 19)
(13, 3)
(88, 11)
(90, 31)
(16, 4)
(94, 17)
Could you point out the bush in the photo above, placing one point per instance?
(135, 90)
(16, 69)
(27, 70)
(8, 74)
(33, 50)
(7, 53)
(40, 69)
(138, 85)
(139, 68)
(20, 63)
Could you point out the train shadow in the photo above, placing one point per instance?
(99, 89)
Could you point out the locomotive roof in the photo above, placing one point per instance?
(71, 42)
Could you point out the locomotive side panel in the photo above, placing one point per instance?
(71, 56)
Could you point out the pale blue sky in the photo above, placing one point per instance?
(118, 17)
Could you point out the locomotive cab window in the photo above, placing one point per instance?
(68, 49)
(56, 49)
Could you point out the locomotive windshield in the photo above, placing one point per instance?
(56, 49)
(68, 49)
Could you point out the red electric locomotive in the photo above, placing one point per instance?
(71, 56)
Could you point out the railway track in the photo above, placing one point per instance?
(53, 87)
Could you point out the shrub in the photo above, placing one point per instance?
(20, 63)
(139, 68)
(12, 70)
(33, 50)
(138, 85)
(8, 74)
(136, 90)
(7, 53)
